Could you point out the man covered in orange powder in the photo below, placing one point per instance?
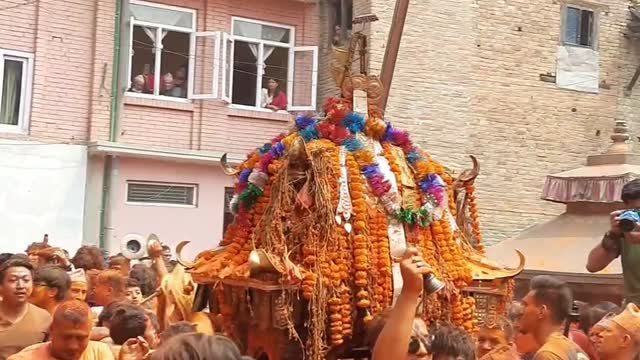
(618, 337)
(70, 330)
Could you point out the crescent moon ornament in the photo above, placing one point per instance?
(190, 264)
(179, 247)
(228, 169)
(470, 175)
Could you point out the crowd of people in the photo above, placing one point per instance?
(538, 327)
(90, 306)
(93, 307)
(171, 84)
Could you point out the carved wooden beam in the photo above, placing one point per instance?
(393, 46)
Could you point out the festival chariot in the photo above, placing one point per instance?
(322, 211)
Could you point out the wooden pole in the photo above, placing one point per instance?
(393, 46)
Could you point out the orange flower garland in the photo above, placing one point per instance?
(470, 323)
(475, 218)
(381, 261)
(338, 265)
(375, 128)
(360, 239)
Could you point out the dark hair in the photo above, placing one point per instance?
(452, 341)
(108, 311)
(631, 191)
(4, 257)
(54, 277)
(591, 315)
(277, 90)
(555, 294)
(88, 257)
(608, 306)
(147, 279)
(14, 262)
(198, 347)
(127, 322)
(132, 283)
(119, 260)
(181, 327)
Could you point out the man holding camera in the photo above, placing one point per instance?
(622, 239)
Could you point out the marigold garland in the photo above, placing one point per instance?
(361, 248)
(346, 267)
(475, 219)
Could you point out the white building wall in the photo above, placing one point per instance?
(42, 191)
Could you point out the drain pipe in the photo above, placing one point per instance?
(113, 128)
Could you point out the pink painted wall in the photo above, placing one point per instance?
(201, 225)
(210, 125)
(72, 63)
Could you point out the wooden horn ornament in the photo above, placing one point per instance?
(181, 261)
(470, 174)
(228, 169)
(190, 264)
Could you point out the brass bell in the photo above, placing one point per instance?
(431, 284)
(259, 262)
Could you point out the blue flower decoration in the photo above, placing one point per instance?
(304, 121)
(244, 175)
(371, 170)
(353, 144)
(414, 156)
(265, 148)
(310, 133)
(278, 149)
(354, 122)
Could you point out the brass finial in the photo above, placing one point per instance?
(619, 137)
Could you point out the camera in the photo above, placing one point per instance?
(573, 317)
(628, 220)
(574, 313)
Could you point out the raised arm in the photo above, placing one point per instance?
(609, 248)
(393, 342)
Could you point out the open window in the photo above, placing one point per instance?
(227, 66)
(162, 39)
(304, 74)
(205, 46)
(579, 26)
(260, 61)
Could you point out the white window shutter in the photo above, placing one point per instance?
(302, 87)
(203, 65)
(226, 64)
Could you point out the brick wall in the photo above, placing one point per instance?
(467, 81)
(73, 44)
(61, 37)
(210, 124)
